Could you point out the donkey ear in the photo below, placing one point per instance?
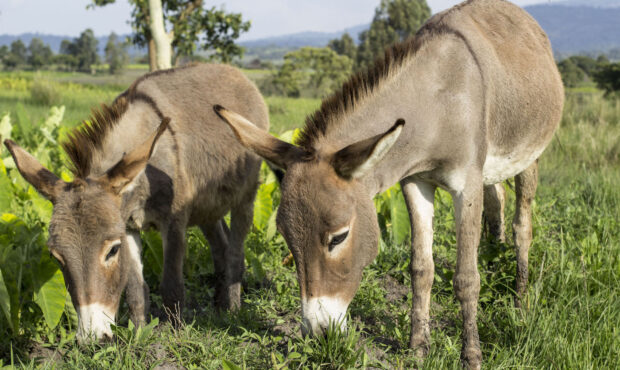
(280, 153)
(356, 160)
(46, 183)
(120, 177)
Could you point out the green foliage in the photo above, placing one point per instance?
(17, 56)
(572, 75)
(573, 286)
(344, 46)
(579, 70)
(44, 92)
(83, 49)
(607, 78)
(394, 20)
(316, 70)
(213, 29)
(39, 54)
(116, 54)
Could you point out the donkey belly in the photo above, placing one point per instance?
(499, 167)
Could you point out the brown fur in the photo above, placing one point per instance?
(157, 157)
(87, 138)
(481, 97)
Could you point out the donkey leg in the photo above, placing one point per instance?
(468, 210)
(494, 199)
(525, 188)
(172, 288)
(420, 197)
(137, 290)
(217, 235)
(240, 222)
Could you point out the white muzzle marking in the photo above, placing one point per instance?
(318, 313)
(94, 322)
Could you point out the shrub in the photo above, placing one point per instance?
(44, 93)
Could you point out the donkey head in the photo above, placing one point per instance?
(87, 232)
(326, 215)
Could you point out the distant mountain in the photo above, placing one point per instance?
(573, 26)
(54, 41)
(591, 3)
(300, 39)
(578, 29)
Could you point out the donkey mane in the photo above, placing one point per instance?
(364, 82)
(84, 140)
(88, 137)
(358, 86)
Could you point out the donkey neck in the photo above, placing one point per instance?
(397, 96)
(134, 126)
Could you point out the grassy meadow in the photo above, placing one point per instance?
(571, 318)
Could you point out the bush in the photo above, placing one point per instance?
(44, 92)
(608, 78)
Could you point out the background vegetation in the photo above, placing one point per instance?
(572, 311)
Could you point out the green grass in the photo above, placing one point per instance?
(572, 314)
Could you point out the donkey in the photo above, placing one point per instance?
(482, 98)
(157, 157)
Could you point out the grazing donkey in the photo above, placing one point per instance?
(157, 157)
(482, 97)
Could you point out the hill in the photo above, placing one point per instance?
(576, 28)
(54, 41)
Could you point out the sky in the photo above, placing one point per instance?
(269, 17)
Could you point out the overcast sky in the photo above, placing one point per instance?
(269, 17)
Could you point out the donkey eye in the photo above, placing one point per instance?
(337, 239)
(113, 251)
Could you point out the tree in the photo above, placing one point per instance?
(17, 55)
(4, 53)
(344, 46)
(607, 78)
(83, 50)
(115, 54)
(394, 21)
(39, 54)
(191, 24)
(163, 40)
(320, 70)
(572, 75)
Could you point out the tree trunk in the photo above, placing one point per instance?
(152, 55)
(162, 41)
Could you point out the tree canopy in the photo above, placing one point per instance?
(318, 70)
(344, 46)
(394, 21)
(82, 50)
(115, 54)
(192, 26)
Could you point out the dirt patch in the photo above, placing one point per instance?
(45, 355)
(395, 290)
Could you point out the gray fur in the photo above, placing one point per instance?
(481, 96)
(195, 174)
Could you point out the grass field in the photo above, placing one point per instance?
(571, 318)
